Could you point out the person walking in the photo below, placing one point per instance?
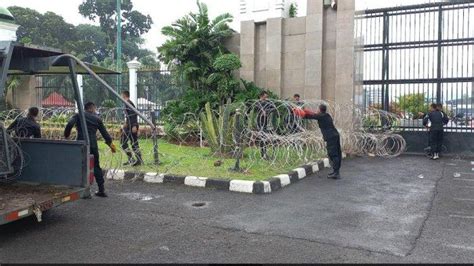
(93, 123)
(26, 127)
(435, 121)
(130, 133)
(330, 136)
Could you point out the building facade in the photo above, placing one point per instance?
(311, 55)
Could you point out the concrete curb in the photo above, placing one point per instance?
(242, 186)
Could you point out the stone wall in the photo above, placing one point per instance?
(25, 95)
(312, 55)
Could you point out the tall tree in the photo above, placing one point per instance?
(91, 43)
(134, 23)
(49, 29)
(194, 42)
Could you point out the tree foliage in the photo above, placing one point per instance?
(194, 42)
(89, 42)
(413, 103)
(134, 24)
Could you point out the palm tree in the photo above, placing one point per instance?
(195, 41)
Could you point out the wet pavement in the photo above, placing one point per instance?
(408, 209)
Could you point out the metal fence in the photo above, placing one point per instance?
(408, 57)
(155, 88)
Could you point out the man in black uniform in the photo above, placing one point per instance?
(437, 119)
(130, 133)
(264, 108)
(93, 123)
(331, 136)
(27, 127)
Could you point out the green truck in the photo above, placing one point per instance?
(53, 172)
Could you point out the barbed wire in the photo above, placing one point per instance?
(272, 132)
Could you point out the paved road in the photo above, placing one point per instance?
(407, 209)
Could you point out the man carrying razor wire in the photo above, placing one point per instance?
(93, 123)
(330, 135)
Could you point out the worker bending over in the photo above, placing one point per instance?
(93, 123)
(330, 135)
(27, 127)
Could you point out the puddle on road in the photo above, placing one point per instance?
(197, 204)
(140, 196)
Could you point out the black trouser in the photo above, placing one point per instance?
(333, 145)
(98, 174)
(262, 128)
(128, 135)
(436, 140)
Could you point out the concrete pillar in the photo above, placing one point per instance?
(133, 79)
(314, 50)
(273, 62)
(80, 84)
(25, 95)
(345, 52)
(247, 50)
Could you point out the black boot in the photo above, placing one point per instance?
(101, 192)
(139, 160)
(130, 159)
(335, 175)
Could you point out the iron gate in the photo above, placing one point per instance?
(408, 57)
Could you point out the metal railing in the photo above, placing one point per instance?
(408, 57)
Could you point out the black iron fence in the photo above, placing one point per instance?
(409, 57)
(155, 88)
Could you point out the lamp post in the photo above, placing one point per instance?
(119, 44)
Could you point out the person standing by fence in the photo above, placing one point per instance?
(130, 133)
(437, 119)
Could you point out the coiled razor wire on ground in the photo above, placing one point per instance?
(10, 171)
(287, 139)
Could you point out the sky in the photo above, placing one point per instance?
(164, 12)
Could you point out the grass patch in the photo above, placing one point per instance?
(195, 161)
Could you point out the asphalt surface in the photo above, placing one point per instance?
(408, 209)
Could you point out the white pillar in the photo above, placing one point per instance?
(133, 79)
(80, 84)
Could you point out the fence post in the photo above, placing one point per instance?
(80, 84)
(133, 79)
(238, 142)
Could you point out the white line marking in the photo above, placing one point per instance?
(284, 180)
(459, 199)
(154, 178)
(315, 168)
(115, 174)
(326, 163)
(461, 247)
(267, 188)
(243, 186)
(301, 172)
(461, 216)
(195, 181)
(22, 213)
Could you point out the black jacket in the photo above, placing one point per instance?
(93, 123)
(131, 117)
(25, 127)
(326, 125)
(263, 109)
(438, 120)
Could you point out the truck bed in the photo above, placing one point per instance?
(18, 200)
